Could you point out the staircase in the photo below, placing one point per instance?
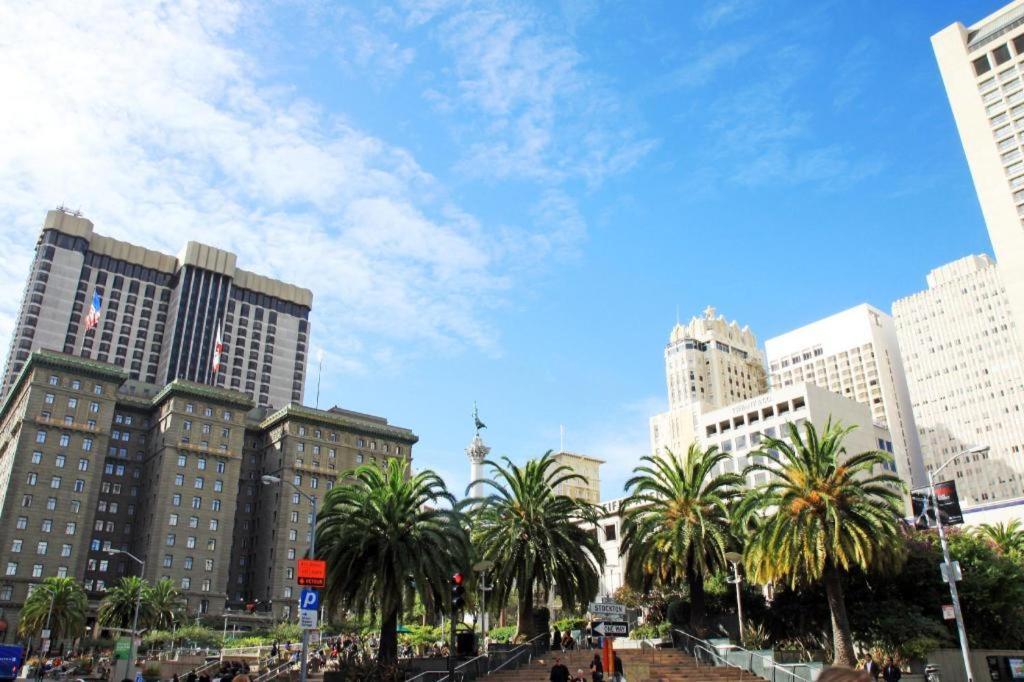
(641, 665)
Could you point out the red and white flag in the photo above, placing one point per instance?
(218, 350)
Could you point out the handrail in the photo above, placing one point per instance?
(271, 673)
(716, 656)
(767, 662)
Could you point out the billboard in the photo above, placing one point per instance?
(948, 503)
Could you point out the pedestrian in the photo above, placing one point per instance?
(556, 639)
(871, 667)
(192, 677)
(890, 671)
(559, 671)
(620, 670)
(580, 676)
(596, 669)
(174, 677)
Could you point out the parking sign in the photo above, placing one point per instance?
(309, 600)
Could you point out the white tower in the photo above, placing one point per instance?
(477, 453)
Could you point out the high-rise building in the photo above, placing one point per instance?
(855, 354)
(963, 359)
(92, 461)
(159, 315)
(709, 363)
(588, 486)
(982, 67)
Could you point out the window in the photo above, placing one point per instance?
(205, 585)
(40, 436)
(94, 407)
(181, 460)
(981, 65)
(609, 532)
(97, 389)
(190, 542)
(54, 380)
(215, 505)
(65, 440)
(72, 403)
(170, 540)
(291, 552)
(12, 568)
(59, 461)
(197, 503)
(79, 485)
(51, 504)
(190, 408)
(179, 479)
(70, 528)
(213, 524)
(55, 482)
(193, 522)
(48, 399)
(176, 499)
(37, 570)
(16, 546)
(41, 548)
(172, 520)
(218, 486)
(76, 384)
(1001, 54)
(293, 535)
(188, 563)
(211, 544)
(227, 415)
(186, 583)
(87, 444)
(199, 483)
(22, 523)
(26, 500)
(32, 478)
(65, 549)
(220, 466)
(168, 560)
(208, 564)
(83, 465)
(201, 463)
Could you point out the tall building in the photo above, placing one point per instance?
(588, 468)
(160, 315)
(92, 461)
(855, 354)
(964, 366)
(709, 363)
(981, 67)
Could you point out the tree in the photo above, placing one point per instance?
(676, 520)
(386, 535)
(826, 512)
(1005, 537)
(537, 537)
(67, 617)
(117, 609)
(164, 604)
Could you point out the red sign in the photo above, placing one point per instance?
(312, 573)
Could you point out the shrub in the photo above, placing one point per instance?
(502, 634)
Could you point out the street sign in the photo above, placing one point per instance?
(957, 574)
(123, 648)
(608, 609)
(947, 612)
(312, 573)
(45, 634)
(307, 619)
(610, 628)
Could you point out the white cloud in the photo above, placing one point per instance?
(158, 125)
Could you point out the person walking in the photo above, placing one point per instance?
(596, 669)
(559, 671)
(620, 670)
(871, 667)
(556, 639)
(890, 671)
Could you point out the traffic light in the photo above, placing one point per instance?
(458, 592)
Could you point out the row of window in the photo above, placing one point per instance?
(65, 440)
(42, 547)
(70, 528)
(75, 384)
(193, 522)
(197, 502)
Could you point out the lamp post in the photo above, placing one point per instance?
(138, 597)
(271, 479)
(482, 567)
(735, 558)
(49, 615)
(950, 577)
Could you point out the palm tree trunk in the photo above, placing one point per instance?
(525, 625)
(695, 581)
(388, 651)
(842, 636)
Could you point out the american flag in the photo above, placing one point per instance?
(218, 350)
(93, 318)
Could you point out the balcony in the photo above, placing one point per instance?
(61, 424)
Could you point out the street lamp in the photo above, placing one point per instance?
(49, 614)
(138, 597)
(271, 479)
(482, 567)
(951, 579)
(735, 558)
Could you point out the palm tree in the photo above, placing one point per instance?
(164, 604)
(118, 606)
(825, 512)
(676, 522)
(536, 537)
(387, 536)
(1006, 537)
(69, 606)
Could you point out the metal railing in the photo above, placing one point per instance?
(734, 656)
(272, 673)
(480, 666)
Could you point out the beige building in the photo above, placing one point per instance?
(92, 461)
(589, 468)
(981, 67)
(709, 363)
(160, 314)
(965, 370)
(855, 354)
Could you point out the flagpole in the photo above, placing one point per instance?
(319, 372)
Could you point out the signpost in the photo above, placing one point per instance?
(608, 609)
(312, 573)
(123, 648)
(610, 628)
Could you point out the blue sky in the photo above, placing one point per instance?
(501, 201)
